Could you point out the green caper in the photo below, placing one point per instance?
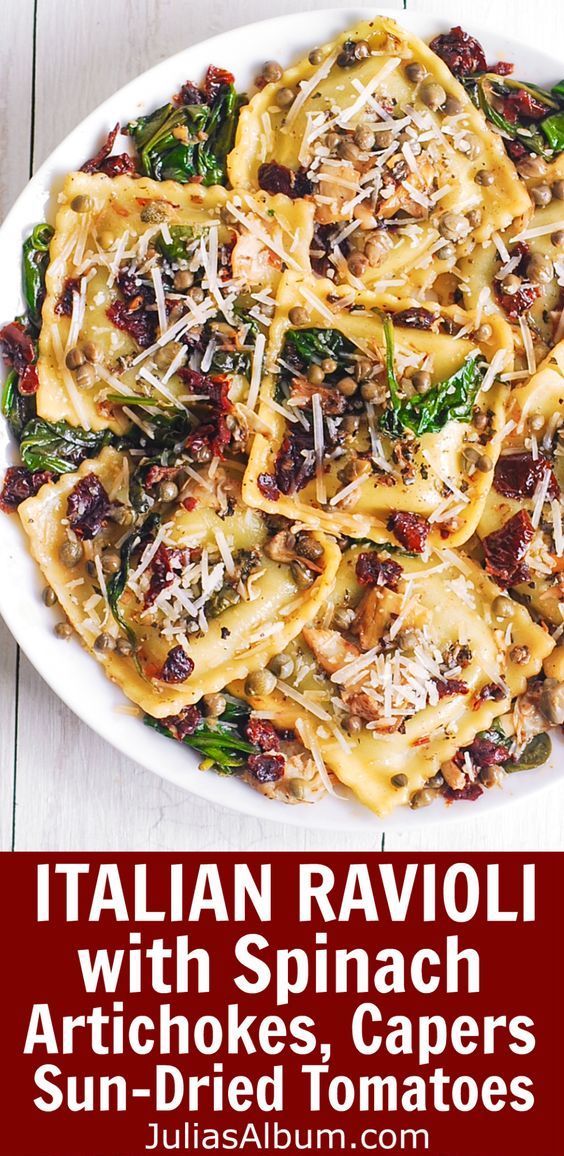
(541, 195)
(307, 546)
(315, 375)
(347, 386)
(557, 238)
(357, 264)
(520, 654)
(415, 72)
(399, 781)
(551, 701)
(421, 381)
(433, 95)
(453, 226)
(297, 788)
(71, 553)
(63, 630)
(483, 332)
(272, 71)
(111, 561)
(281, 547)
(362, 49)
(453, 106)
(82, 204)
(302, 576)
(104, 642)
(352, 724)
(285, 97)
(183, 279)
(214, 705)
(92, 352)
(122, 515)
(298, 316)
(106, 239)
(86, 376)
(168, 491)
(316, 56)
(282, 665)
(375, 391)
(124, 647)
(49, 597)
(154, 213)
(164, 356)
(423, 798)
(74, 358)
(196, 294)
(364, 138)
(260, 682)
(502, 606)
(470, 455)
(558, 190)
(329, 365)
(485, 177)
(484, 464)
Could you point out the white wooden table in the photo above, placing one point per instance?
(61, 787)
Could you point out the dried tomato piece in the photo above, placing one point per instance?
(156, 474)
(64, 304)
(276, 178)
(491, 692)
(178, 666)
(88, 507)
(163, 566)
(268, 487)
(140, 325)
(17, 346)
(28, 383)
(486, 753)
(210, 439)
(190, 94)
(470, 792)
(372, 570)
(102, 162)
(417, 319)
(216, 79)
(295, 463)
(505, 549)
(515, 149)
(410, 529)
(215, 387)
(522, 105)
(184, 724)
(462, 53)
(118, 165)
(262, 734)
(266, 768)
(518, 475)
(447, 687)
(19, 484)
(516, 304)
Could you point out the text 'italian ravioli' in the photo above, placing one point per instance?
(192, 600)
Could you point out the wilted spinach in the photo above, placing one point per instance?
(544, 137)
(118, 581)
(58, 446)
(537, 751)
(180, 142)
(35, 262)
(220, 741)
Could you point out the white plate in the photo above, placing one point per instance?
(67, 668)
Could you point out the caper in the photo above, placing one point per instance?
(284, 97)
(484, 464)
(260, 682)
(196, 294)
(347, 386)
(106, 239)
(86, 376)
(408, 640)
(383, 139)
(558, 190)
(483, 332)
(373, 391)
(415, 72)
(272, 71)
(540, 269)
(474, 218)
(74, 358)
(111, 561)
(153, 213)
(421, 381)
(315, 56)
(307, 546)
(351, 423)
(536, 421)
(453, 106)
(71, 553)
(63, 630)
(490, 776)
(298, 315)
(213, 705)
(519, 654)
(329, 365)
(91, 352)
(343, 618)
(364, 137)
(432, 94)
(423, 798)
(332, 140)
(557, 238)
(481, 419)
(315, 375)
(201, 453)
(183, 279)
(446, 252)
(362, 49)
(399, 781)
(363, 368)
(302, 576)
(511, 284)
(470, 455)
(104, 642)
(348, 151)
(282, 666)
(282, 547)
(168, 491)
(297, 787)
(454, 226)
(124, 647)
(502, 607)
(82, 204)
(49, 597)
(484, 177)
(541, 195)
(357, 264)
(551, 701)
(352, 724)
(531, 167)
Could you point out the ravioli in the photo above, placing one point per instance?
(178, 593)
(430, 666)
(381, 161)
(157, 278)
(337, 469)
(537, 411)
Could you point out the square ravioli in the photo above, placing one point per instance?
(373, 441)
(387, 143)
(192, 600)
(405, 664)
(151, 284)
(521, 525)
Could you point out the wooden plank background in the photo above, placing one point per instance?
(61, 787)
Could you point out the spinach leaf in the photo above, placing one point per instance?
(175, 249)
(117, 583)
(58, 446)
(230, 361)
(180, 142)
(480, 88)
(536, 753)
(558, 91)
(220, 741)
(17, 408)
(449, 400)
(553, 129)
(317, 344)
(35, 262)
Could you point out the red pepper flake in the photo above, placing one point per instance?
(19, 484)
(447, 687)
(518, 475)
(268, 487)
(262, 734)
(505, 550)
(88, 507)
(266, 768)
(102, 162)
(178, 666)
(410, 529)
(372, 570)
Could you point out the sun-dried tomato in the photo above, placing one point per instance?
(19, 484)
(184, 724)
(163, 566)
(138, 323)
(178, 666)
(156, 474)
(469, 793)
(276, 178)
(417, 319)
(64, 304)
(216, 79)
(102, 162)
(190, 94)
(462, 53)
(28, 383)
(211, 437)
(266, 768)
(214, 387)
(410, 529)
(88, 507)
(518, 475)
(295, 463)
(516, 304)
(262, 734)
(515, 149)
(17, 346)
(521, 105)
(505, 550)
(446, 687)
(268, 487)
(372, 570)
(485, 753)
